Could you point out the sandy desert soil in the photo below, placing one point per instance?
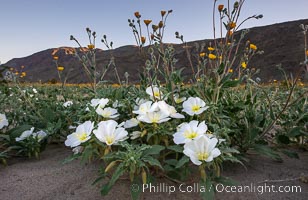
(48, 179)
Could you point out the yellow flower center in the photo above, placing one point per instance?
(190, 135)
(156, 94)
(109, 140)
(106, 114)
(195, 108)
(82, 137)
(155, 118)
(202, 156)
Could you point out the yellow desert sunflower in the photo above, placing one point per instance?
(253, 47)
(212, 56)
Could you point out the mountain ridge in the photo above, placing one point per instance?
(282, 43)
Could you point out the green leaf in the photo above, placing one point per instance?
(230, 83)
(152, 161)
(176, 148)
(267, 151)
(295, 132)
(135, 190)
(154, 150)
(221, 68)
(283, 139)
(172, 162)
(290, 154)
(71, 158)
(182, 161)
(207, 189)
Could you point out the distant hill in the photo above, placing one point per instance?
(282, 44)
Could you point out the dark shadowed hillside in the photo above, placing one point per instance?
(282, 44)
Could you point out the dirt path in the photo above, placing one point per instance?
(47, 178)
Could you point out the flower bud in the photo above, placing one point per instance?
(220, 7)
(203, 174)
(144, 176)
(154, 27)
(143, 39)
(160, 24)
(91, 46)
(60, 68)
(163, 12)
(110, 166)
(137, 15)
(147, 21)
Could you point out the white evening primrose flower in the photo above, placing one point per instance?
(178, 99)
(34, 90)
(24, 135)
(40, 135)
(169, 110)
(202, 149)
(67, 104)
(109, 132)
(154, 117)
(3, 121)
(154, 92)
(82, 134)
(101, 102)
(144, 108)
(131, 123)
(107, 112)
(135, 135)
(194, 106)
(189, 131)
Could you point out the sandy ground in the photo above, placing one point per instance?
(48, 178)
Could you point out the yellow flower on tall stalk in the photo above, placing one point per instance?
(230, 70)
(143, 39)
(55, 57)
(91, 46)
(232, 25)
(211, 48)
(253, 47)
(244, 65)
(60, 68)
(202, 54)
(212, 56)
(23, 74)
(147, 21)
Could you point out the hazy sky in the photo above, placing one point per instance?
(29, 26)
